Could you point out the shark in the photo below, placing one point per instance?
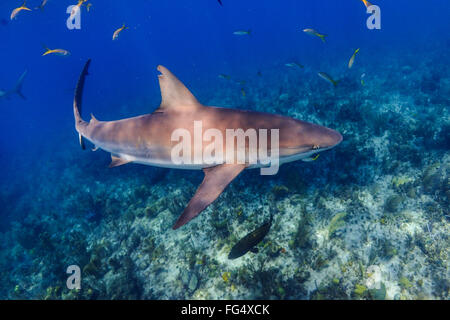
(6, 94)
(149, 139)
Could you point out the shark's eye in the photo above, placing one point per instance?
(315, 147)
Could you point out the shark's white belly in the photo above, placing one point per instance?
(200, 166)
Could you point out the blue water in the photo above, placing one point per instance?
(44, 173)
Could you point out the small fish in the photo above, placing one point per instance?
(259, 74)
(294, 65)
(16, 11)
(88, 6)
(76, 9)
(325, 76)
(59, 52)
(241, 82)
(249, 242)
(366, 3)
(242, 32)
(311, 158)
(42, 5)
(220, 2)
(116, 33)
(352, 59)
(243, 92)
(224, 76)
(362, 79)
(313, 32)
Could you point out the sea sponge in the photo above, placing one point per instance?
(393, 203)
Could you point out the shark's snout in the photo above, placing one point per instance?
(334, 138)
(319, 137)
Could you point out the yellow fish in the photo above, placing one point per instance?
(313, 32)
(352, 59)
(59, 52)
(116, 33)
(243, 92)
(366, 3)
(16, 11)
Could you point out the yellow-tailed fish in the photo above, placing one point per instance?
(366, 3)
(224, 76)
(59, 52)
(116, 33)
(88, 6)
(313, 32)
(328, 78)
(242, 32)
(243, 92)
(16, 11)
(311, 158)
(76, 9)
(352, 59)
(294, 65)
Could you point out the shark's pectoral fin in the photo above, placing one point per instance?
(215, 181)
(116, 161)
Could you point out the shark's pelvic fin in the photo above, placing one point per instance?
(215, 181)
(174, 94)
(116, 161)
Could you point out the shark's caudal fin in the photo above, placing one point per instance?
(18, 87)
(77, 101)
(215, 181)
(174, 93)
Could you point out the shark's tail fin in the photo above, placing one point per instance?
(77, 102)
(18, 87)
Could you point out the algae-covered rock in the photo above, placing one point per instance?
(280, 192)
(405, 283)
(360, 290)
(378, 294)
(193, 282)
(393, 203)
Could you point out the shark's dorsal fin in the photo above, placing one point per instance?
(174, 93)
